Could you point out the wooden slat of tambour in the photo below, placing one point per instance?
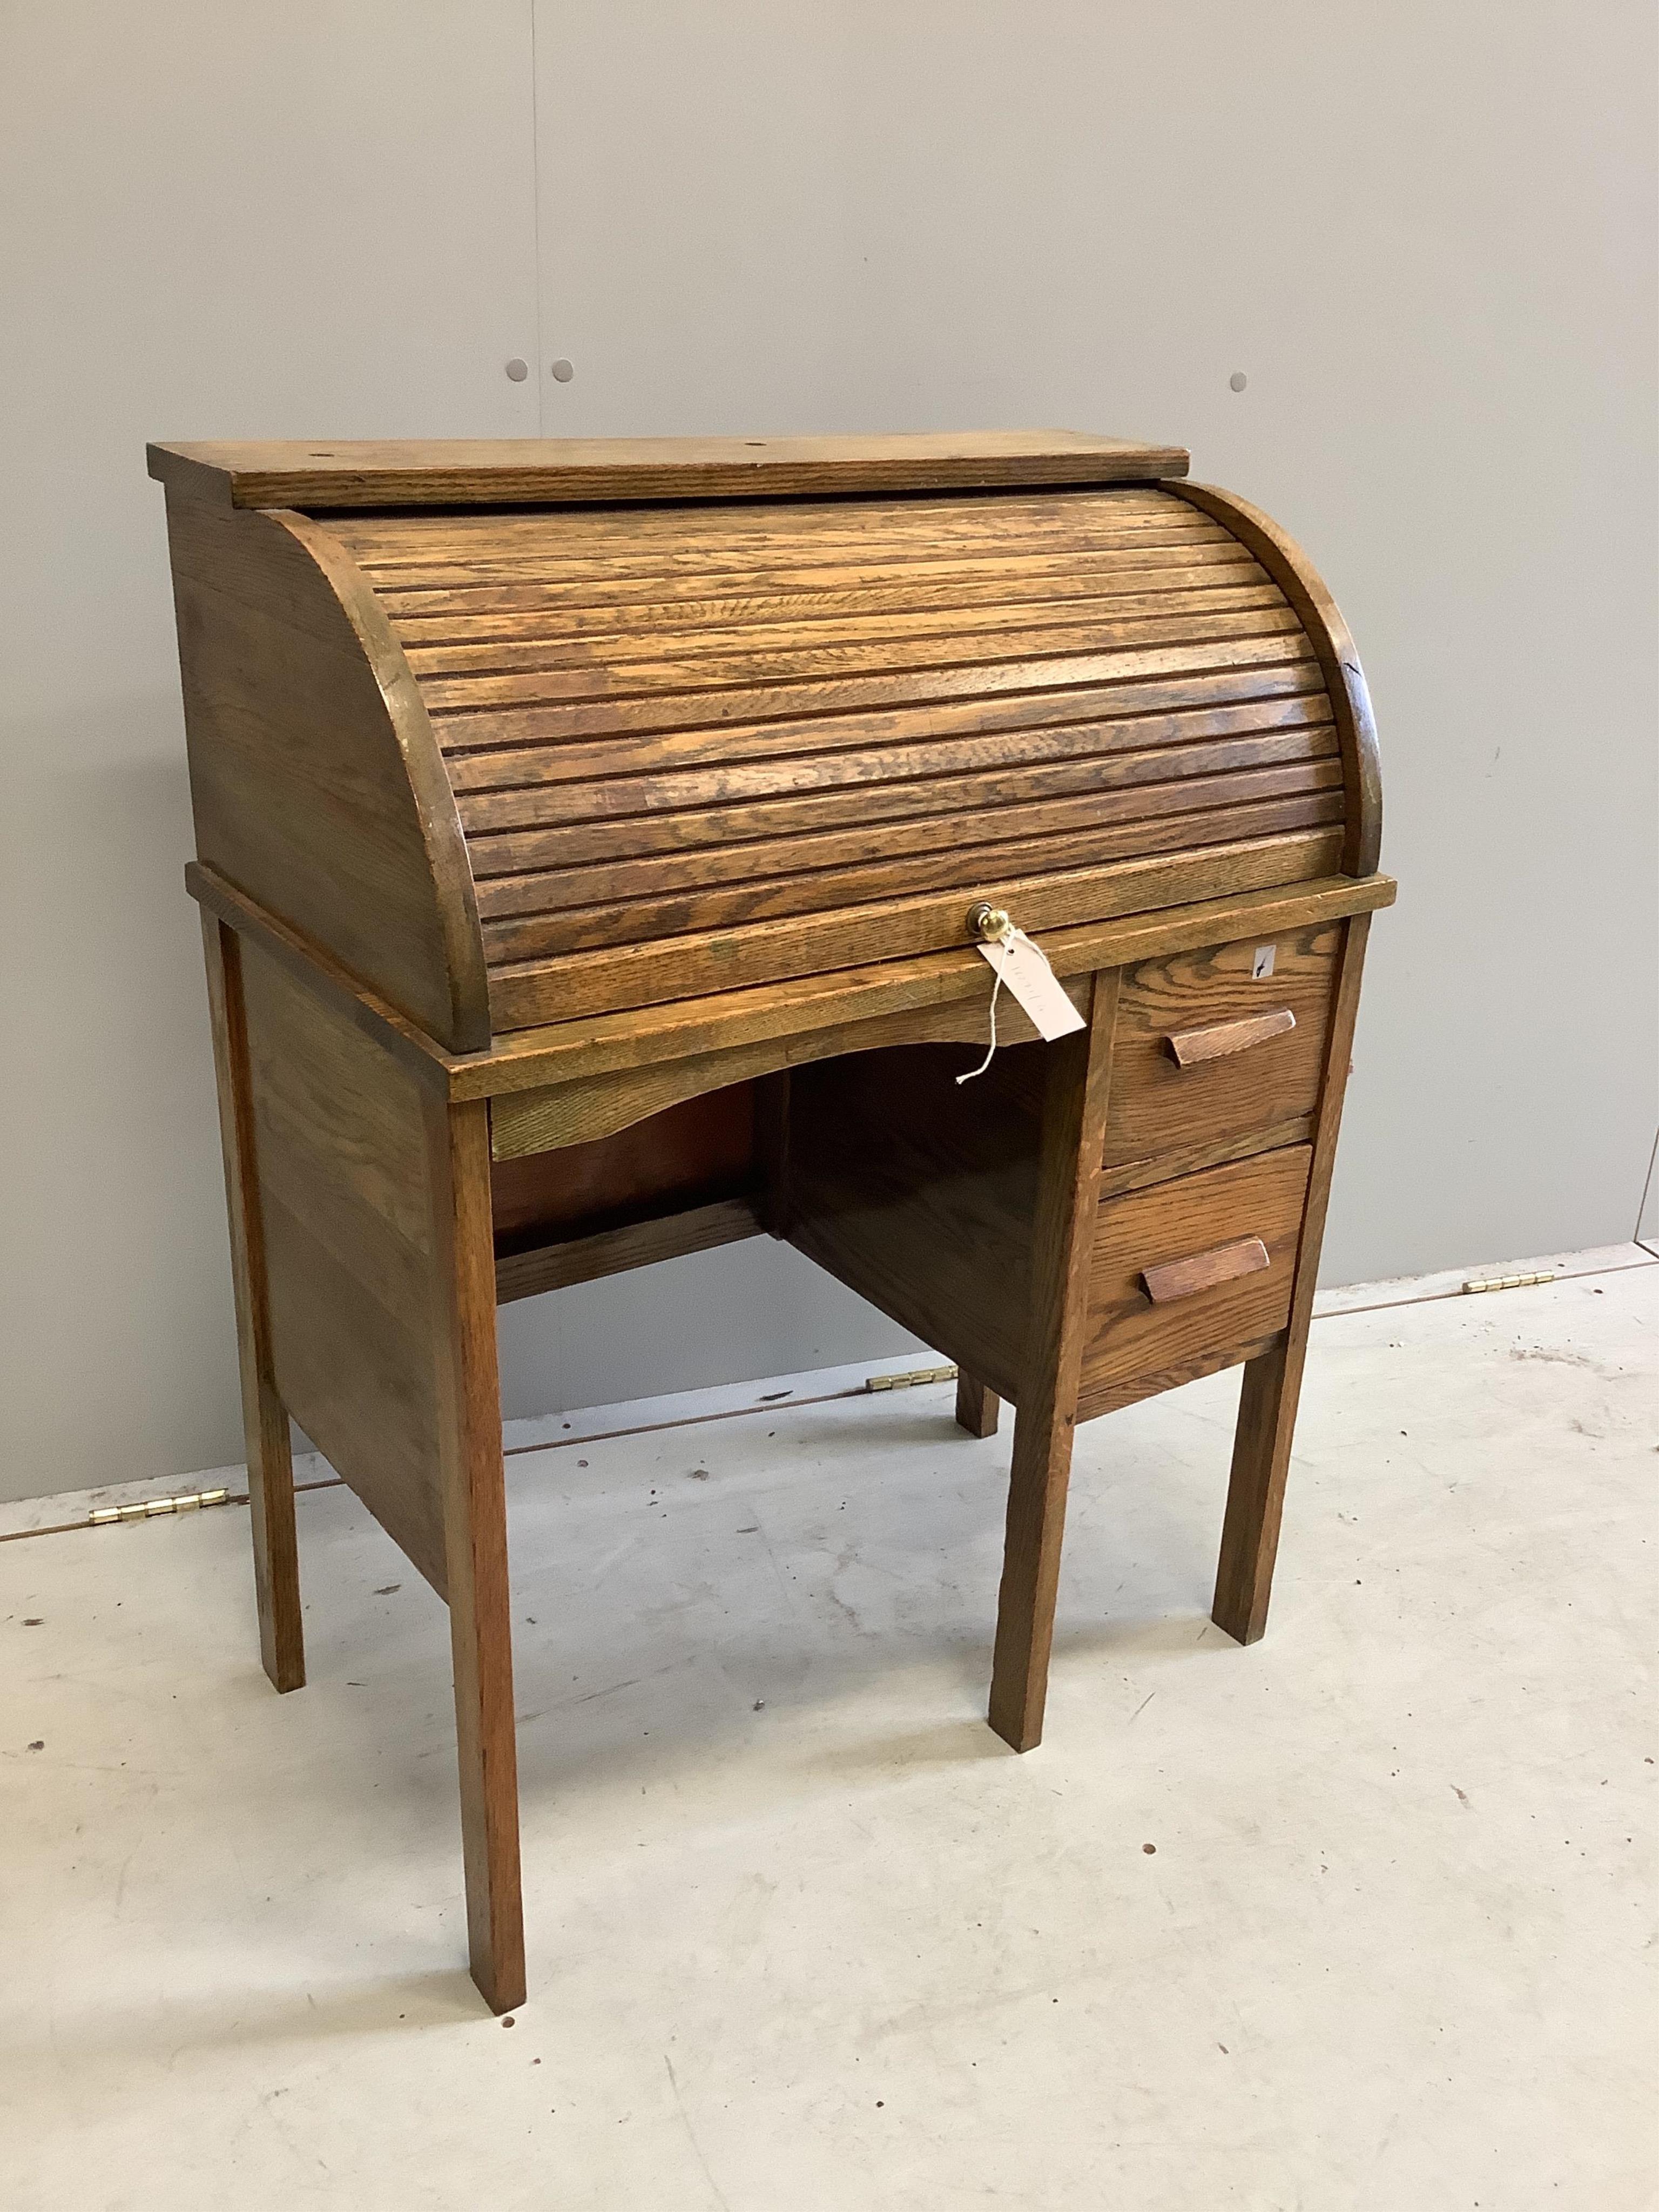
(566, 556)
(657, 519)
(381, 536)
(1011, 603)
(397, 538)
(797, 566)
(677, 732)
(382, 542)
(607, 776)
(878, 791)
(565, 896)
(525, 994)
(448, 647)
(930, 633)
(870, 577)
(704, 844)
(906, 583)
(385, 543)
(558, 541)
(959, 655)
(542, 935)
(615, 584)
(708, 717)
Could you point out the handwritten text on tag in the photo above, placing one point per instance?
(1025, 972)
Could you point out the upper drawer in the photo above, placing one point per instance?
(1208, 1052)
(693, 749)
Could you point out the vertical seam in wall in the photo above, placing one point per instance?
(1647, 1185)
(536, 223)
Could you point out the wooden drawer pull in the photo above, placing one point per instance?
(1179, 1278)
(1190, 1046)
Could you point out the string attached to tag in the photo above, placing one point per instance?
(1023, 966)
(1001, 943)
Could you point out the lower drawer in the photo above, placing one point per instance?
(1190, 1276)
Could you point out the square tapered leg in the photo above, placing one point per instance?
(265, 1418)
(977, 1407)
(475, 1544)
(1075, 1086)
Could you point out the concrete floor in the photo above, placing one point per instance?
(1353, 1920)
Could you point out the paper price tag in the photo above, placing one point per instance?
(1024, 970)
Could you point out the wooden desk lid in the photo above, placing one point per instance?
(330, 474)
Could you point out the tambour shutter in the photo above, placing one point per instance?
(695, 745)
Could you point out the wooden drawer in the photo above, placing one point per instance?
(1227, 1306)
(1191, 1082)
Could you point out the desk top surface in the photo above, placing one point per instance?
(335, 474)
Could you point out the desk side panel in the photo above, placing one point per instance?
(315, 778)
(356, 1286)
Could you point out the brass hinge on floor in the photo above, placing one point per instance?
(1508, 1282)
(909, 1382)
(151, 1508)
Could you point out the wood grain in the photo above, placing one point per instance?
(345, 1197)
(571, 1113)
(422, 549)
(816, 581)
(315, 777)
(1164, 1100)
(919, 1194)
(1339, 658)
(503, 472)
(649, 1036)
(265, 1418)
(1076, 1078)
(526, 995)
(469, 1402)
(1219, 1040)
(645, 786)
(978, 1407)
(772, 1121)
(1272, 1381)
(642, 1243)
(1063, 836)
(697, 1148)
(1133, 1347)
(701, 814)
(1204, 1271)
(1214, 1152)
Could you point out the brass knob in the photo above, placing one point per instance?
(986, 922)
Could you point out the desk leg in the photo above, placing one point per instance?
(1068, 1166)
(977, 1407)
(475, 1547)
(1272, 1383)
(265, 1418)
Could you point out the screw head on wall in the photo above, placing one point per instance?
(561, 372)
(1237, 381)
(518, 370)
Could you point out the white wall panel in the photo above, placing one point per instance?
(277, 218)
(1427, 236)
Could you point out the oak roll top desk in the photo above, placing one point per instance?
(587, 836)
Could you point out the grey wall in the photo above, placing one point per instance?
(1425, 235)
